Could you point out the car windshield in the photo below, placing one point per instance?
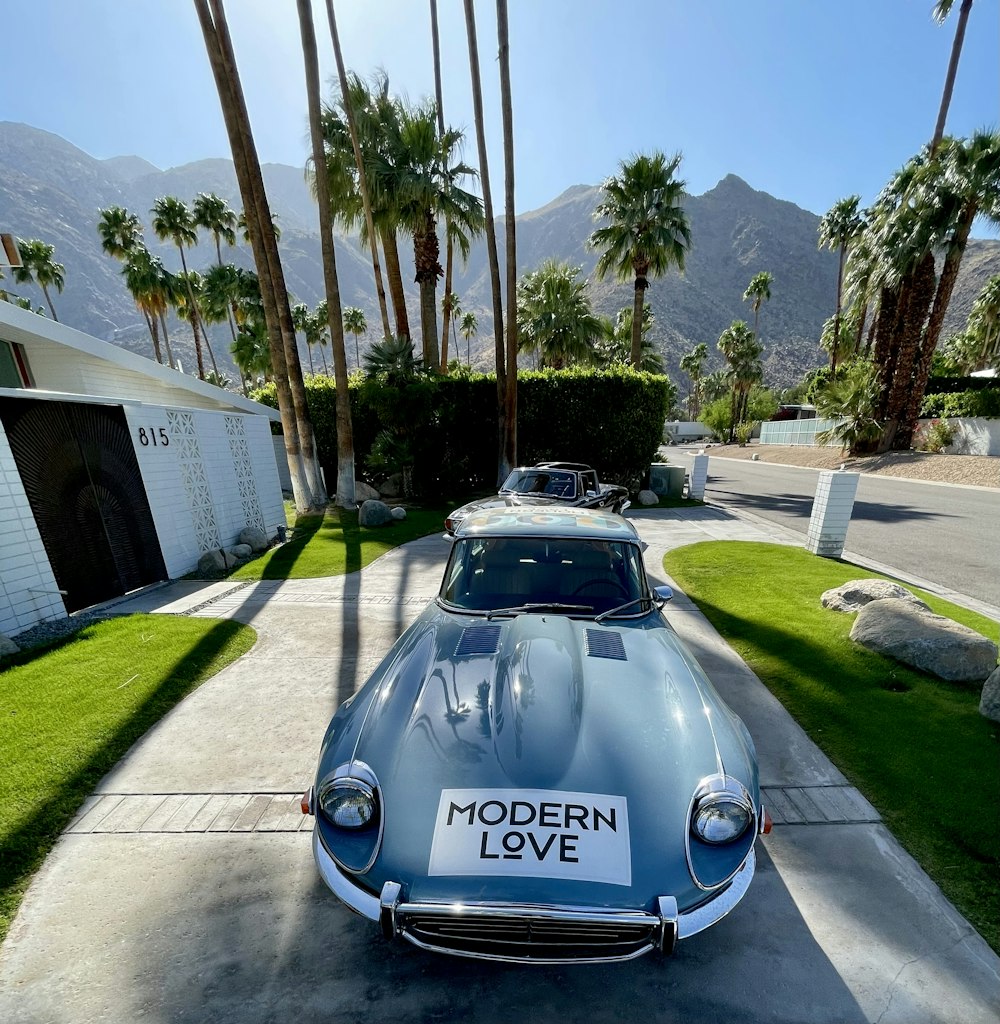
(492, 573)
(552, 483)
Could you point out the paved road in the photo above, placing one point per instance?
(949, 535)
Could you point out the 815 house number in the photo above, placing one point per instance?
(153, 436)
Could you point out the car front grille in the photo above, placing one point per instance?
(527, 938)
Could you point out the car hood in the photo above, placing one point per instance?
(538, 702)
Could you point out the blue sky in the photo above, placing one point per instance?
(810, 100)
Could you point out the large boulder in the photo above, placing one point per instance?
(364, 492)
(855, 594)
(929, 642)
(212, 562)
(989, 703)
(241, 551)
(648, 498)
(374, 513)
(7, 646)
(392, 486)
(255, 537)
(399, 512)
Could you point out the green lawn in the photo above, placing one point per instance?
(332, 543)
(69, 713)
(916, 746)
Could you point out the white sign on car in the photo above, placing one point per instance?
(534, 833)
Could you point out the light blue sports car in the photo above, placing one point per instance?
(539, 770)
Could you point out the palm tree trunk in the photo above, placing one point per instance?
(229, 309)
(219, 48)
(309, 353)
(949, 81)
(154, 333)
(48, 299)
(638, 301)
(166, 340)
(326, 369)
(359, 161)
(346, 497)
(426, 251)
(395, 275)
(491, 244)
(446, 311)
(193, 317)
(506, 108)
(357, 351)
(836, 316)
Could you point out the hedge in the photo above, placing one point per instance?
(609, 419)
(952, 385)
(980, 402)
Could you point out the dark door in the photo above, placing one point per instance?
(79, 470)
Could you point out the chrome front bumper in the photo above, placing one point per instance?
(440, 926)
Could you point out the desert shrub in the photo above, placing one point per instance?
(934, 436)
(979, 402)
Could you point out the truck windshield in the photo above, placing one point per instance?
(488, 573)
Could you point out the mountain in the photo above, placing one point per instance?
(49, 189)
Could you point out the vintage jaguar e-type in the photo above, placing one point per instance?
(548, 483)
(539, 770)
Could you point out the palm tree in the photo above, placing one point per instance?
(218, 218)
(470, 325)
(172, 220)
(554, 318)
(506, 434)
(941, 11)
(506, 111)
(837, 229)
(451, 310)
(142, 272)
(394, 360)
(742, 351)
(120, 231)
(758, 292)
(356, 324)
(692, 364)
(331, 283)
(300, 448)
(38, 266)
(301, 317)
(647, 230)
(244, 229)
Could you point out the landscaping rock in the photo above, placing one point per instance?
(374, 513)
(989, 703)
(212, 562)
(929, 642)
(255, 537)
(7, 646)
(364, 492)
(241, 551)
(392, 487)
(399, 512)
(855, 594)
(648, 498)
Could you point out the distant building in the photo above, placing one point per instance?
(115, 472)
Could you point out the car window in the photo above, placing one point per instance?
(487, 573)
(549, 482)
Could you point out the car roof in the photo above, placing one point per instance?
(561, 465)
(550, 521)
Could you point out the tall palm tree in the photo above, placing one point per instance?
(984, 321)
(451, 310)
(120, 231)
(837, 229)
(345, 428)
(553, 316)
(356, 324)
(300, 447)
(142, 273)
(218, 218)
(172, 220)
(506, 433)
(38, 266)
(758, 292)
(615, 346)
(244, 228)
(941, 11)
(302, 318)
(692, 364)
(470, 325)
(647, 230)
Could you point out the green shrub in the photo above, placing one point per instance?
(980, 402)
(610, 419)
(934, 436)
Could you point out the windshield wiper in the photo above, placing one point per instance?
(542, 606)
(620, 608)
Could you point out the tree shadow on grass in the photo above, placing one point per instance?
(282, 561)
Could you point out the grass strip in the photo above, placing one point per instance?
(70, 712)
(332, 543)
(914, 745)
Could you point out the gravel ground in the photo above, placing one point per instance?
(978, 470)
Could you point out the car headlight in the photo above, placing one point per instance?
(348, 803)
(721, 818)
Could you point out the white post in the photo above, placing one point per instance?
(831, 513)
(699, 475)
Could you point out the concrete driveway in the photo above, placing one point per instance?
(185, 889)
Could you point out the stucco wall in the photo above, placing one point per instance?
(28, 590)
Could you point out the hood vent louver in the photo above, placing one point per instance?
(603, 643)
(478, 640)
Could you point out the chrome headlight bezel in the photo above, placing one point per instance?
(350, 785)
(711, 791)
(728, 807)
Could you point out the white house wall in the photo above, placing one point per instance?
(28, 590)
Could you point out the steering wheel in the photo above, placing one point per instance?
(617, 584)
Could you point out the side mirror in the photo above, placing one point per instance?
(663, 594)
(449, 537)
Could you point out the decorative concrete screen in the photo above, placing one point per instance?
(794, 431)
